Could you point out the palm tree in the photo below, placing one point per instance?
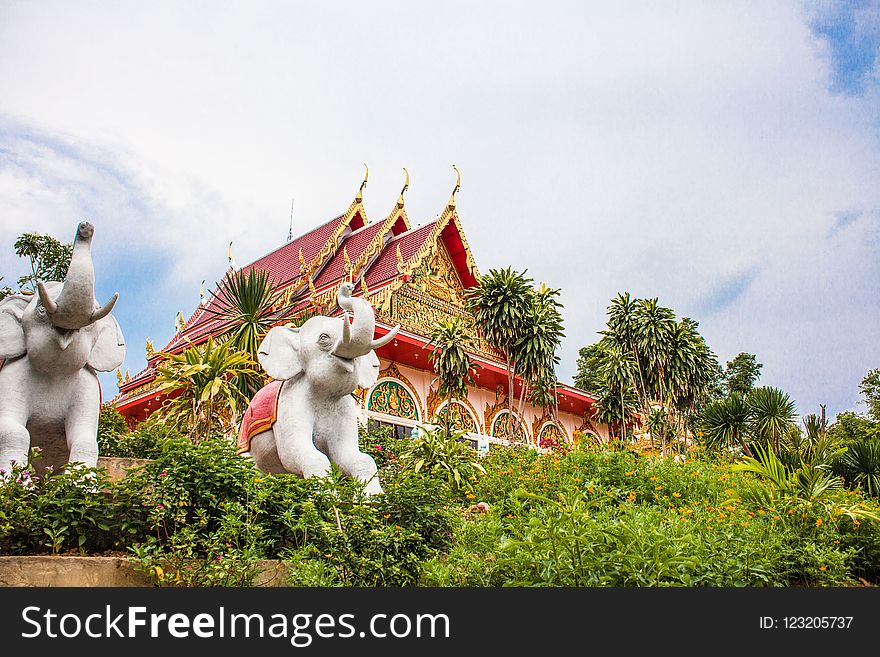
(725, 422)
(203, 378)
(772, 413)
(246, 301)
(452, 363)
(501, 304)
(535, 350)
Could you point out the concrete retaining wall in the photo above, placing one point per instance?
(101, 571)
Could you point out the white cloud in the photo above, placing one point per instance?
(663, 150)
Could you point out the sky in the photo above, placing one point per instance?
(722, 157)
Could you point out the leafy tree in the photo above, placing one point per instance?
(203, 396)
(725, 422)
(850, 426)
(870, 389)
(648, 360)
(502, 304)
(535, 350)
(452, 364)
(589, 364)
(50, 259)
(741, 373)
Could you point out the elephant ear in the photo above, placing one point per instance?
(279, 353)
(367, 369)
(12, 342)
(108, 352)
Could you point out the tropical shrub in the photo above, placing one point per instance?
(449, 457)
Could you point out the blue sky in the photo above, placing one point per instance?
(720, 156)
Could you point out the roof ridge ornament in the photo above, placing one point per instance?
(402, 191)
(360, 194)
(451, 203)
(231, 257)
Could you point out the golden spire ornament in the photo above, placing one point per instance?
(149, 347)
(360, 194)
(451, 203)
(231, 257)
(365, 291)
(119, 379)
(181, 322)
(402, 191)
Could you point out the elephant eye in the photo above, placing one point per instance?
(41, 310)
(324, 340)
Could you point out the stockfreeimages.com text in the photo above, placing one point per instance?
(301, 628)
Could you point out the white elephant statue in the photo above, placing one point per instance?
(307, 417)
(51, 344)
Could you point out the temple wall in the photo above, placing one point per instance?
(482, 404)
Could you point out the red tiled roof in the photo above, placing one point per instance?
(385, 266)
(355, 245)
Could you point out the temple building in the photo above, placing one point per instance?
(414, 277)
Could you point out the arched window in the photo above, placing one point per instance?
(550, 435)
(392, 398)
(508, 427)
(461, 419)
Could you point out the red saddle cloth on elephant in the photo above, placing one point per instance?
(260, 415)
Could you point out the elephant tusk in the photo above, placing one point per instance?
(104, 310)
(47, 301)
(385, 339)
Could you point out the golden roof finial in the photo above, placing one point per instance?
(451, 203)
(119, 379)
(127, 376)
(181, 322)
(347, 260)
(402, 191)
(149, 347)
(360, 194)
(229, 255)
(364, 289)
(399, 259)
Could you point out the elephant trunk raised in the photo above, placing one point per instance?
(357, 336)
(75, 306)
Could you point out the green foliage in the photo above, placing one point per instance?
(74, 510)
(763, 416)
(741, 373)
(647, 359)
(870, 389)
(450, 340)
(50, 259)
(860, 465)
(850, 426)
(204, 396)
(111, 425)
(200, 515)
(246, 302)
(589, 365)
(448, 456)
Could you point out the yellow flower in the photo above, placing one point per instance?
(818, 521)
(722, 515)
(386, 516)
(659, 488)
(676, 495)
(629, 474)
(653, 479)
(822, 568)
(631, 497)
